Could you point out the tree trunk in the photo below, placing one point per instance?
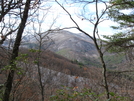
(15, 51)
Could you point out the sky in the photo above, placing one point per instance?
(62, 19)
(74, 9)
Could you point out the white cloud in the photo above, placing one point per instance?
(63, 20)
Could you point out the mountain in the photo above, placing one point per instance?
(74, 46)
(77, 47)
(57, 73)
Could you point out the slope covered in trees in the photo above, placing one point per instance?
(57, 71)
(122, 41)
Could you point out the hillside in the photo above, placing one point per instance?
(58, 63)
(75, 47)
(58, 72)
(55, 72)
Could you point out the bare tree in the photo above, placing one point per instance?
(98, 18)
(15, 51)
(14, 17)
(9, 9)
(42, 38)
(7, 6)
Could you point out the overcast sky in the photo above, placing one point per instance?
(64, 20)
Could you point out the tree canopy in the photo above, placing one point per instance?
(122, 13)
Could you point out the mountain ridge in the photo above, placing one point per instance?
(74, 46)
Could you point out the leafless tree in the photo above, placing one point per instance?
(10, 11)
(41, 36)
(15, 51)
(95, 21)
(15, 16)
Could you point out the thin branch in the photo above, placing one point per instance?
(77, 26)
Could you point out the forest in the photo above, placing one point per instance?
(63, 50)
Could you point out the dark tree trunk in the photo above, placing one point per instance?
(15, 51)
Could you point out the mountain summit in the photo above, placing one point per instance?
(73, 46)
